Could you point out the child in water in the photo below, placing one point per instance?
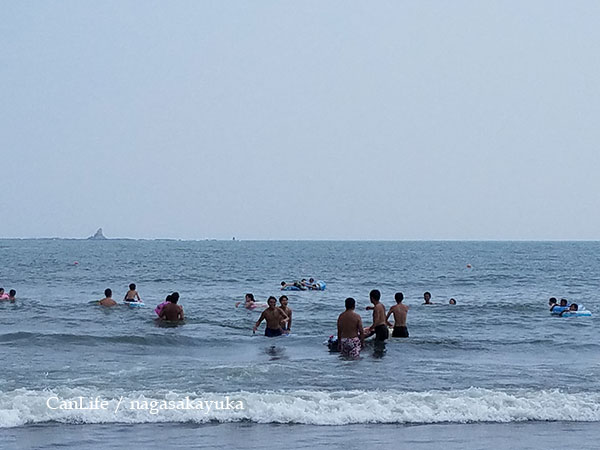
(132, 294)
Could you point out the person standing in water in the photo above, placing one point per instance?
(379, 327)
(172, 311)
(399, 311)
(350, 331)
(274, 316)
(283, 302)
(107, 300)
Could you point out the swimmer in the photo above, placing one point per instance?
(107, 300)
(573, 307)
(11, 295)
(552, 303)
(3, 295)
(296, 284)
(452, 302)
(250, 303)
(172, 311)
(283, 301)
(427, 298)
(399, 311)
(557, 309)
(274, 317)
(379, 327)
(350, 331)
(132, 294)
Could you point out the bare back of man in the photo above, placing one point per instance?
(349, 325)
(108, 302)
(172, 312)
(350, 331)
(399, 311)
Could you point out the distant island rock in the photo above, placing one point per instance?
(98, 235)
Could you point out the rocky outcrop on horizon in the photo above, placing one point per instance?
(98, 235)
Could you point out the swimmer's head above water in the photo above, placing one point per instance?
(283, 300)
(374, 296)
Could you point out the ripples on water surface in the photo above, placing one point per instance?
(496, 356)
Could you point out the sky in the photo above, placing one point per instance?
(394, 120)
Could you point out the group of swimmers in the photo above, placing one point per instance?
(10, 297)
(278, 318)
(168, 310)
(303, 285)
(563, 307)
(350, 331)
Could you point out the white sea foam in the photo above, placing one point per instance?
(22, 406)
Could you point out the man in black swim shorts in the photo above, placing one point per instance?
(379, 327)
(399, 311)
(274, 317)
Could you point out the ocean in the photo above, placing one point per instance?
(494, 371)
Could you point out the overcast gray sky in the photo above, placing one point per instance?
(300, 119)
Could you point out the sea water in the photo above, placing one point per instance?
(497, 361)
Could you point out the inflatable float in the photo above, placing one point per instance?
(318, 286)
(135, 304)
(563, 311)
(292, 288)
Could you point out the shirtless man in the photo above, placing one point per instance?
(172, 311)
(350, 331)
(283, 301)
(399, 311)
(274, 316)
(379, 327)
(107, 300)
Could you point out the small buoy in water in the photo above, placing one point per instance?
(75, 263)
(469, 266)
